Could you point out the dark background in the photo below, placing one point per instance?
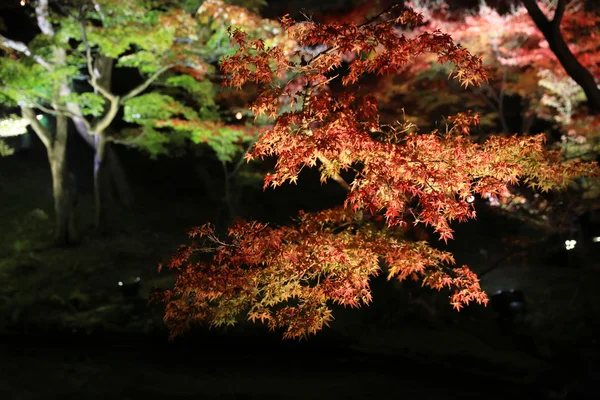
(68, 331)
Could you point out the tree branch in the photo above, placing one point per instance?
(134, 92)
(114, 100)
(41, 12)
(558, 14)
(537, 15)
(22, 48)
(556, 41)
(107, 119)
(44, 135)
(93, 81)
(335, 176)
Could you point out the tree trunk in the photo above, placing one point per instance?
(116, 172)
(556, 41)
(103, 191)
(118, 177)
(104, 68)
(63, 183)
(63, 188)
(109, 175)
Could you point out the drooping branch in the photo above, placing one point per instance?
(556, 41)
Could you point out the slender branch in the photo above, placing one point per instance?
(22, 48)
(107, 119)
(134, 92)
(242, 161)
(98, 10)
(43, 133)
(61, 111)
(88, 52)
(367, 22)
(93, 81)
(45, 109)
(114, 100)
(335, 176)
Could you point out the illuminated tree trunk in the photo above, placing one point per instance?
(63, 188)
(115, 172)
(103, 192)
(63, 184)
(109, 175)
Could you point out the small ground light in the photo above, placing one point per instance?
(470, 199)
(238, 115)
(130, 287)
(596, 239)
(570, 244)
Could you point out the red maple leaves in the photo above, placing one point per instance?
(288, 276)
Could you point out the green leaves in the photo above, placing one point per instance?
(203, 92)
(89, 103)
(155, 106)
(22, 82)
(5, 149)
(146, 61)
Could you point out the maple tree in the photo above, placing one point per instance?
(532, 71)
(173, 104)
(288, 276)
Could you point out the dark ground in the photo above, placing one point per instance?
(67, 332)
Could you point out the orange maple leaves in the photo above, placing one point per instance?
(288, 276)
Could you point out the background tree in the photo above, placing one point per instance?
(173, 101)
(530, 74)
(41, 80)
(288, 276)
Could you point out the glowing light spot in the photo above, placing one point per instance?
(238, 115)
(23, 2)
(39, 117)
(596, 239)
(570, 244)
(470, 199)
(13, 126)
(120, 283)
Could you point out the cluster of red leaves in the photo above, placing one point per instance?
(286, 276)
(512, 39)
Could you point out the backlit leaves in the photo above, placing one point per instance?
(287, 277)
